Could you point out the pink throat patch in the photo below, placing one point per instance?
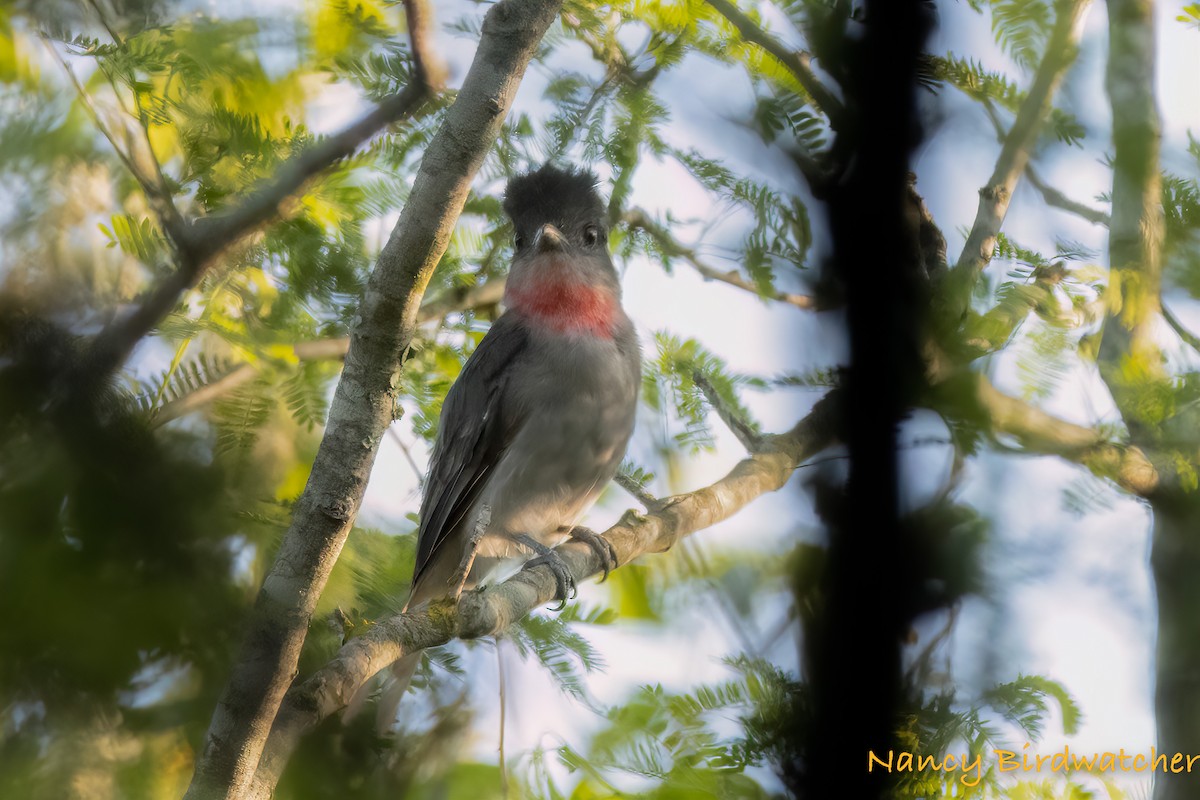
(567, 307)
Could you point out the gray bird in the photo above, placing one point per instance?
(538, 422)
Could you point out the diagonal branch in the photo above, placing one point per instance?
(1045, 434)
(994, 198)
(796, 62)
(733, 417)
(201, 241)
(637, 218)
(490, 611)
(458, 299)
(364, 402)
(637, 491)
(1054, 197)
(1181, 330)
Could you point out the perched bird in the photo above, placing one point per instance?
(539, 419)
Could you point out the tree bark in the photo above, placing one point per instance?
(1175, 559)
(1129, 357)
(364, 402)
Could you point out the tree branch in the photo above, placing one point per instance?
(364, 402)
(637, 218)
(199, 242)
(797, 62)
(1054, 197)
(995, 197)
(635, 490)
(733, 417)
(1045, 434)
(1189, 338)
(489, 611)
(448, 302)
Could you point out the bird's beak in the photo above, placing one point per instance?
(550, 240)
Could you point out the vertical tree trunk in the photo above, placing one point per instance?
(1176, 564)
(1129, 358)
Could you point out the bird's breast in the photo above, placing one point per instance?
(578, 396)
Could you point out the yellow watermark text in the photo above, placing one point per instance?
(972, 766)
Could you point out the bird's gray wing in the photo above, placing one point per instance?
(475, 430)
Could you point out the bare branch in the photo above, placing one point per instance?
(364, 402)
(408, 456)
(995, 197)
(1042, 433)
(1054, 197)
(797, 62)
(491, 610)
(462, 299)
(199, 242)
(1189, 338)
(733, 418)
(637, 218)
(448, 302)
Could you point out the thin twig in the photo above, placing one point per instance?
(198, 243)
(1181, 331)
(638, 218)
(412, 462)
(647, 500)
(1052, 196)
(921, 661)
(797, 62)
(172, 224)
(734, 419)
(502, 681)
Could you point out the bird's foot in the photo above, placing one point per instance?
(600, 546)
(564, 581)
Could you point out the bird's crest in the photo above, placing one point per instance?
(552, 194)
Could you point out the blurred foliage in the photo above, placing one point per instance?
(137, 519)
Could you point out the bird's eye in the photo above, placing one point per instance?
(591, 235)
(519, 241)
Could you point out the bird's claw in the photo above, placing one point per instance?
(600, 546)
(564, 581)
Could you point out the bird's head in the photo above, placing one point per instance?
(560, 234)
